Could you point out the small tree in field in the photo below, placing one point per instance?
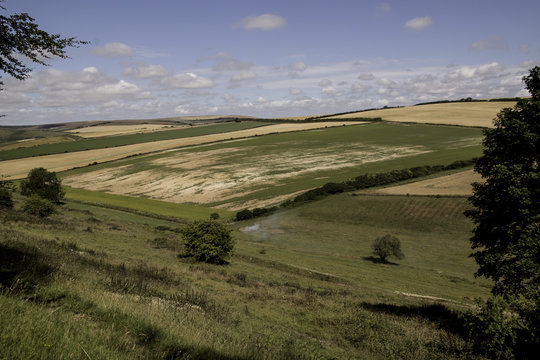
(6, 188)
(207, 241)
(44, 184)
(386, 246)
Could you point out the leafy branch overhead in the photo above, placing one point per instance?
(22, 39)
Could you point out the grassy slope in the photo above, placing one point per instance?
(105, 142)
(102, 283)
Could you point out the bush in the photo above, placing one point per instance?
(214, 216)
(6, 200)
(44, 184)
(38, 207)
(245, 214)
(386, 246)
(207, 241)
(493, 329)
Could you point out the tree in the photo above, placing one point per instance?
(506, 213)
(21, 38)
(44, 184)
(386, 246)
(208, 241)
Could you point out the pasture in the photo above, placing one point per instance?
(478, 114)
(263, 171)
(114, 130)
(102, 283)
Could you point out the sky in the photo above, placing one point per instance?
(153, 59)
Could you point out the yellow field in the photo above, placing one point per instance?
(111, 130)
(18, 168)
(460, 113)
(35, 142)
(455, 184)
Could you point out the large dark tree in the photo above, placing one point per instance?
(507, 204)
(506, 211)
(21, 40)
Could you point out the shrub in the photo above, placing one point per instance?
(207, 241)
(38, 207)
(44, 184)
(386, 246)
(493, 329)
(214, 216)
(245, 214)
(6, 188)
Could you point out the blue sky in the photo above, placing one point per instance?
(159, 58)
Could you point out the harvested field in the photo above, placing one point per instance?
(460, 113)
(18, 168)
(455, 184)
(111, 130)
(212, 176)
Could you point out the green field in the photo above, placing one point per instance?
(269, 168)
(112, 141)
(143, 205)
(94, 282)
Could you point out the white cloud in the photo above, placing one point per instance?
(366, 76)
(116, 49)
(263, 22)
(324, 83)
(244, 75)
(298, 66)
(294, 91)
(145, 71)
(187, 81)
(491, 42)
(419, 24)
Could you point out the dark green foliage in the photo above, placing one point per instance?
(21, 39)
(38, 207)
(207, 241)
(386, 246)
(245, 214)
(506, 213)
(44, 184)
(214, 216)
(6, 189)
(493, 329)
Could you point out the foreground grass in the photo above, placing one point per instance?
(94, 282)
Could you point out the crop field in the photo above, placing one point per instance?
(112, 130)
(124, 140)
(454, 184)
(460, 113)
(262, 171)
(19, 166)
